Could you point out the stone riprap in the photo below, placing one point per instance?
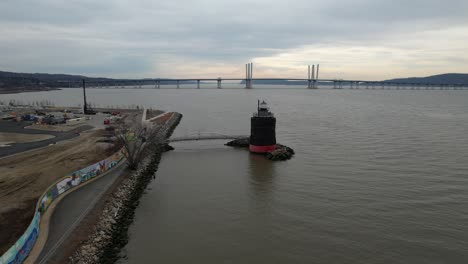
(110, 235)
(280, 153)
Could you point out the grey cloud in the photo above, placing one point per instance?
(107, 32)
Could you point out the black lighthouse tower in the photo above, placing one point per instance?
(262, 130)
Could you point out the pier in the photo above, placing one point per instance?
(205, 137)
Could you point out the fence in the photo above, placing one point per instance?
(20, 250)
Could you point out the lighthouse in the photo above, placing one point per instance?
(262, 130)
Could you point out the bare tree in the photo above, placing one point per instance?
(139, 139)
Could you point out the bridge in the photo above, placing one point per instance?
(205, 137)
(311, 82)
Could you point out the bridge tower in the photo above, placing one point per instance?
(248, 75)
(312, 78)
(262, 130)
(316, 77)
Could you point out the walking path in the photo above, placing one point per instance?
(68, 214)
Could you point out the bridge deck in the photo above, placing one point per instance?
(205, 137)
(312, 83)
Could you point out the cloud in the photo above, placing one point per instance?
(168, 38)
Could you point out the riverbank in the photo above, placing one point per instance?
(111, 230)
(21, 90)
(34, 159)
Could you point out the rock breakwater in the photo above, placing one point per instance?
(280, 153)
(111, 231)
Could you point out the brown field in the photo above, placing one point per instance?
(10, 138)
(25, 176)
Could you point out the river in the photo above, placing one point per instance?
(379, 176)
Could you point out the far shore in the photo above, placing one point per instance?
(16, 90)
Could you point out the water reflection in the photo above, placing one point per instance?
(262, 185)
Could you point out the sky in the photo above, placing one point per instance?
(350, 39)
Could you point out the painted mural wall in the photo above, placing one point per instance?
(20, 250)
(78, 177)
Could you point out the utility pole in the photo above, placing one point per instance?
(85, 106)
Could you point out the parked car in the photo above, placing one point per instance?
(53, 120)
(29, 117)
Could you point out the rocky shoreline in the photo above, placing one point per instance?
(111, 231)
(281, 152)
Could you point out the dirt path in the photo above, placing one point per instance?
(25, 176)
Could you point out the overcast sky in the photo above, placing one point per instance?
(353, 39)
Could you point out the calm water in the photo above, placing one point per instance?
(379, 176)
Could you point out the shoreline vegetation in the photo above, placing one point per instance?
(111, 230)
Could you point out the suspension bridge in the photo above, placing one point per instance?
(312, 81)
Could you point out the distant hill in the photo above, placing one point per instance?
(23, 82)
(448, 78)
(11, 82)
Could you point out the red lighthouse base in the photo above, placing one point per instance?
(261, 149)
